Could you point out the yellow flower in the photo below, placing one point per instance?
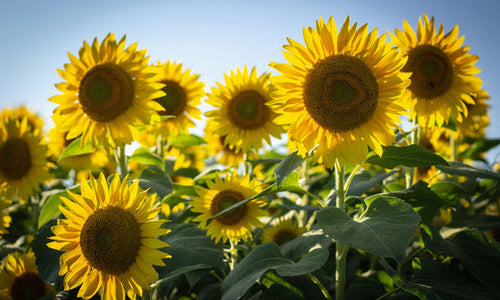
(57, 142)
(477, 119)
(35, 122)
(108, 90)
(443, 73)
(109, 239)
(284, 231)
(340, 92)
(183, 94)
(236, 224)
(5, 219)
(19, 278)
(216, 147)
(241, 111)
(23, 159)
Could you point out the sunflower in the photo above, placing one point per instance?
(241, 111)
(339, 92)
(443, 73)
(236, 224)
(477, 119)
(108, 89)
(183, 94)
(35, 122)
(19, 278)
(284, 231)
(23, 159)
(5, 219)
(57, 142)
(109, 239)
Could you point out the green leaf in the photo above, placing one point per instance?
(267, 257)
(461, 169)
(191, 249)
(287, 166)
(409, 156)
(146, 157)
(478, 148)
(185, 140)
(301, 245)
(361, 183)
(75, 148)
(448, 191)
(50, 207)
(47, 259)
(384, 229)
(155, 179)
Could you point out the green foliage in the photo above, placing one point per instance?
(74, 149)
(408, 156)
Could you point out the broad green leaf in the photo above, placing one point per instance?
(47, 259)
(267, 257)
(385, 228)
(299, 246)
(50, 207)
(409, 156)
(146, 157)
(156, 180)
(478, 148)
(185, 140)
(75, 148)
(287, 166)
(448, 191)
(361, 184)
(461, 169)
(191, 249)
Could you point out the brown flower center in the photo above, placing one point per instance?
(175, 100)
(110, 240)
(27, 286)
(432, 71)
(340, 93)
(106, 91)
(248, 110)
(284, 235)
(225, 199)
(15, 158)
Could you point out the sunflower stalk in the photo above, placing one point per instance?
(122, 161)
(341, 249)
(453, 146)
(415, 139)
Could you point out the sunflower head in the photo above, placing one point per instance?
(108, 89)
(339, 91)
(183, 93)
(241, 113)
(477, 119)
(284, 231)
(236, 224)
(5, 219)
(218, 149)
(23, 159)
(19, 278)
(443, 72)
(35, 122)
(109, 239)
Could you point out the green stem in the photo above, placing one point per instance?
(122, 161)
(341, 249)
(453, 146)
(232, 253)
(318, 283)
(415, 138)
(389, 293)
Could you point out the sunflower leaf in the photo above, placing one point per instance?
(185, 140)
(50, 207)
(461, 169)
(146, 157)
(409, 156)
(47, 259)
(155, 179)
(267, 257)
(287, 166)
(75, 148)
(385, 227)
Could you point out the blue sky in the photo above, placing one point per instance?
(211, 37)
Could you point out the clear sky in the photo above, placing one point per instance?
(211, 37)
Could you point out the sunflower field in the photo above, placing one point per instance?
(303, 185)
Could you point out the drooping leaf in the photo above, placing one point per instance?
(461, 169)
(361, 184)
(47, 259)
(408, 156)
(155, 179)
(75, 148)
(385, 228)
(287, 166)
(267, 257)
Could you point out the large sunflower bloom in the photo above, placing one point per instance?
(108, 89)
(339, 92)
(109, 239)
(19, 278)
(236, 224)
(443, 73)
(23, 159)
(183, 93)
(241, 111)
